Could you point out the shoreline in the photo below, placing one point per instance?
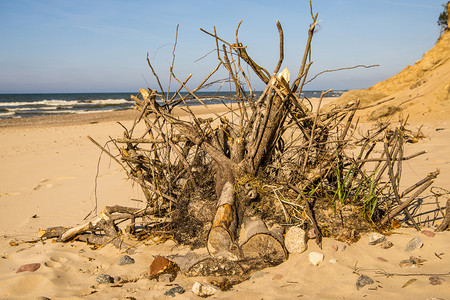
(121, 115)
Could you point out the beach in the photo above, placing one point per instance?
(51, 175)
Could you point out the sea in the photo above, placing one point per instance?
(31, 105)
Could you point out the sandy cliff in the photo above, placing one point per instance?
(421, 90)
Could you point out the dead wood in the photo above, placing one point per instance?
(210, 182)
(446, 221)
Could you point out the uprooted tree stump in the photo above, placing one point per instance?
(233, 182)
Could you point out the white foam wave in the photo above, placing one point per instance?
(63, 103)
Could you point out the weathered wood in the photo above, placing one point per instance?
(257, 242)
(446, 221)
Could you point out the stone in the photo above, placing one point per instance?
(312, 233)
(166, 278)
(104, 278)
(412, 261)
(376, 238)
(333, 261)
(43, 298)
(386, 245)
(175, 290)
(436, 280)
(277, 277)
(125, 260)
(428, 233)
(203, 290)
(413, 244)
(295, 240)
(406, 263)
(315, 258)
(162, 265)
(362, 281)
(28, 268)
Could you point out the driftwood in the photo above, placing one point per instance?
(232, 164)
(446, 221)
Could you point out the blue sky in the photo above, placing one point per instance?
(101, 45)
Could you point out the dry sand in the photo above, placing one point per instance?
(47, 178)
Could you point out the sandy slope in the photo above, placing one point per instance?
(421, 91)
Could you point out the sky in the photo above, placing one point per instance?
(67, 46)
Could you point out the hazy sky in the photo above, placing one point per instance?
(101, 45)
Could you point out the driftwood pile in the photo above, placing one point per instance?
(235, 181)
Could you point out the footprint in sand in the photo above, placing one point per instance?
(57, 263)
(50, 182)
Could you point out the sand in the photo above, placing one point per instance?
(49, 172)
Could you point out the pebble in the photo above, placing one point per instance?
(166, 278)
(413, 244)
(412, 261)
(28, 268)
(295, 240)
(175, 290)
(436, 280)
(203, 290)
(315, 258)
(43, 298)
(376, 238)
(386, 245)
(312, 233)
(428, 233)
(362, 281)
(126, 260)
(158, 265)
(277, 277)
(104, 278)
(333, 261)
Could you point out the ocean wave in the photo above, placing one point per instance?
(102, 102)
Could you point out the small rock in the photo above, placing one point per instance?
(125, 260)
(162, 265)
(43, 298)
(428, 233)
(312, 233)
(386, 245)
(175, 290)
(277, 277)
(158, 265)
(295, 240)
(417, 260)
(334, 247)
(406, 263)
(333, 261)
(434, 298)
(436, 280)
(203, 290)
(413, 244)
(376, 238)
(315, 258)
(104, 278)
(412, 261)
(166, 278)
(28, 268)
(362, 281)
(342, 247)
(382, 259)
